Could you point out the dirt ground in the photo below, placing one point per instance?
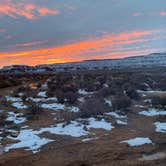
(105, 151)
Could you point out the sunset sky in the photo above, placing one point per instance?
(53, 31)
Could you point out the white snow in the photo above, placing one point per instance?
(93, 123)
(73, 109)
(120, 122)
(116, 115)
(42, 94)
(13, 99)
(153, 112)
(137, 141)
(53, 106)
(58, 106)
(19, 105)
(29, 139)
(89, 139)
(17, 118)
(73, 129)
(108, 102)
(16, 102)
(160, 127)
(42, 99)
(84, 92)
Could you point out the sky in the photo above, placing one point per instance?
(56, 31)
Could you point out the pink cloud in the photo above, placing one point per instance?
(29, 44)
(2, 30)
(25, 9)
(137, 14)
(163, 13)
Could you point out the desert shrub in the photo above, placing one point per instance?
(60, 96)
(3, 117)
(67, 116)
(162, 84)
(50, 93)
(159, 101)
(132, 93)
(3, 101)
(71, 87)
(71, 97)
(92, 107)
(34, 110)
(121, 102)
(115, 89)
(104, 92)
(15, 94)
(24, 97)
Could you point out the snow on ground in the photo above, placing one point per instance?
(29, 140)
(16, 118)
(84, 92)
(153, 112)
(93, 123)
(120, 122)
(89, 139)
(116, 115)
(58, 106)
(73, 129)
(137, 141)
(73, 109)
(160, 127)
(42, 94)
(19, 105)
(42, 99)
(13, 99)
(151, 92)
(16, 102)
(107, 101)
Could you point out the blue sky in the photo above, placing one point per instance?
(38, 32)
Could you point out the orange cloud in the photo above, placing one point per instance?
(24, 9)
(107, 46)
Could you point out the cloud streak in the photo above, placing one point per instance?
(24, 9)
(106, 46)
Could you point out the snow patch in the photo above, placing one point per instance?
(84, 92)
(29, 140)
(116, 115)
(137, 141)
(107, 101)
(160, 127)
(42, 94)
(153, 112)
(16, 118)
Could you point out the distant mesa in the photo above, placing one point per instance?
(146, 61)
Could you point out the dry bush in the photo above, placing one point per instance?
(104, 92)
(3, 101)
(71, 97)
(3, 117)
(60, 96)
(132, 93)
(67, 116)
(158, 101)
(92, 107)
(34, 110)
(121, 102)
